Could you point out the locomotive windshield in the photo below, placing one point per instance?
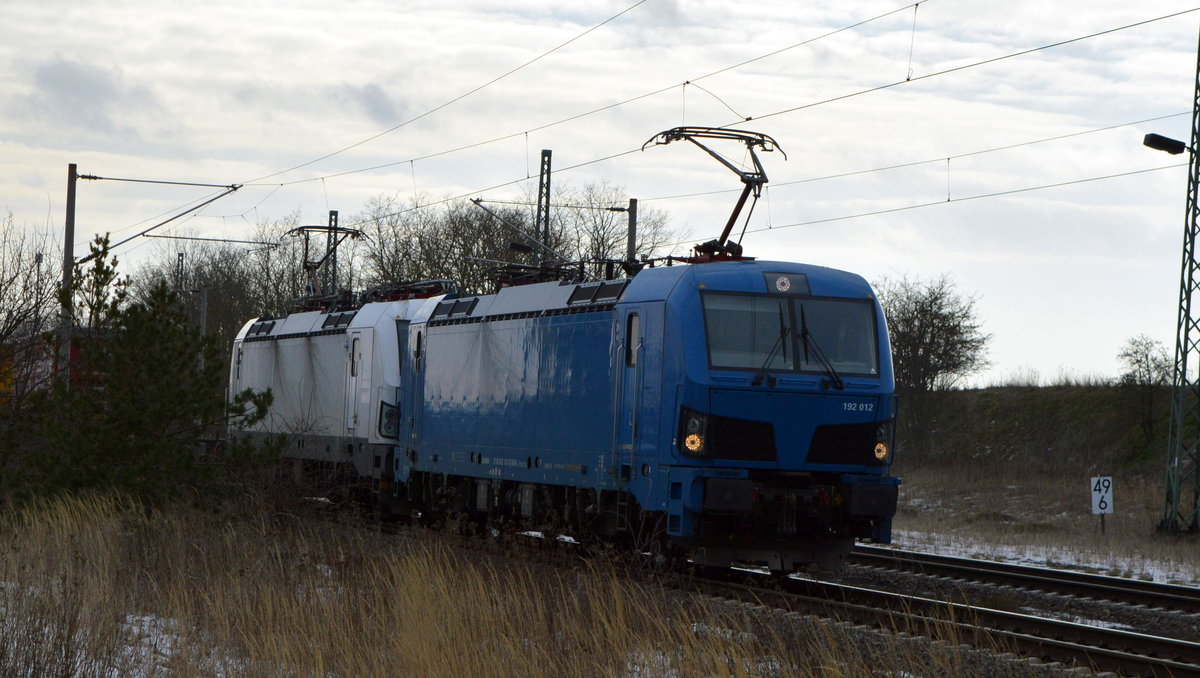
(755, 331)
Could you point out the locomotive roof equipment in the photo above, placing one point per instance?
(323, 287)
(722, 249)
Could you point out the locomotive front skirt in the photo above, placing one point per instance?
(735, 411)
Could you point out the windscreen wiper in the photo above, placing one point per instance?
(808, 340)
(784, 331)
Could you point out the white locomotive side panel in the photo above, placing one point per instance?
(306, 376)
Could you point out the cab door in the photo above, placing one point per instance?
(354, 377)
(631, 370)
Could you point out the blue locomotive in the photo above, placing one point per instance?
(741, 411)
(731, 410)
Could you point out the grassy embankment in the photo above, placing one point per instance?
(1010, 469)
(94, 587)
(97, 588)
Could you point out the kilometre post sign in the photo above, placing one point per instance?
(1102, 500)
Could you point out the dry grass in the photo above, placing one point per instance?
(1004, 510)
(98, 587)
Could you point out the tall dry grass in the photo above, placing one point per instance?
(101, 587)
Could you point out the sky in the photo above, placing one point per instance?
(908, 131)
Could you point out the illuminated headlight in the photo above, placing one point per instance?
(692, 433)
(881, 451)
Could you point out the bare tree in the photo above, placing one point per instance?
(1147, 373)
(456, 240)
(594, 227)
(936, 341)
(211, 282)
(220, 286)
(453, 240)
(276, 273)
(29, 280)
(397, 245)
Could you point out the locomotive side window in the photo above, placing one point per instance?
(632, 333)
(354, 358)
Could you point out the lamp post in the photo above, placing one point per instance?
(1181, 510)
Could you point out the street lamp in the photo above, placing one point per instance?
(1160, 143)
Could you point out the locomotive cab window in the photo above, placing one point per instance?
(843, 330)
(790, 334)
(747, 331)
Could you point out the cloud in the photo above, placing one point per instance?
(79, 99)
(376, 102)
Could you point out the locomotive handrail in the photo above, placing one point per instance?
(638, 371)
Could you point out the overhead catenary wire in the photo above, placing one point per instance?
(964, 67)
(843, 97)
(458, 98)
(934, 203)
(491, 188)
(691, 81)
(223, 240)
(917, 163)
(526, 203)
(776, 113)
(788, 183)
(114, 246)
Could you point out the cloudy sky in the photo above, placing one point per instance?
(908, 129)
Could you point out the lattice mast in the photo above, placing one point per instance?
(1182, 510)
(542, 218)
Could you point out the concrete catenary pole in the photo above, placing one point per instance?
(68, 275)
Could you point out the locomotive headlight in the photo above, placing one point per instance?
(881, 451)
(885, 441)
(693, 433)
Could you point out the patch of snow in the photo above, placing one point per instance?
(1046, 556)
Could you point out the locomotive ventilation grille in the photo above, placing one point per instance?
(543, 313)
(742, 439)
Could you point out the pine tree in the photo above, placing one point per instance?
(142, 393)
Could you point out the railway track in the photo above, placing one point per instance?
(1071, 644)
(1100, 587)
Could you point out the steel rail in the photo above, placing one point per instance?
(1101, 587)
(1106, 649)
